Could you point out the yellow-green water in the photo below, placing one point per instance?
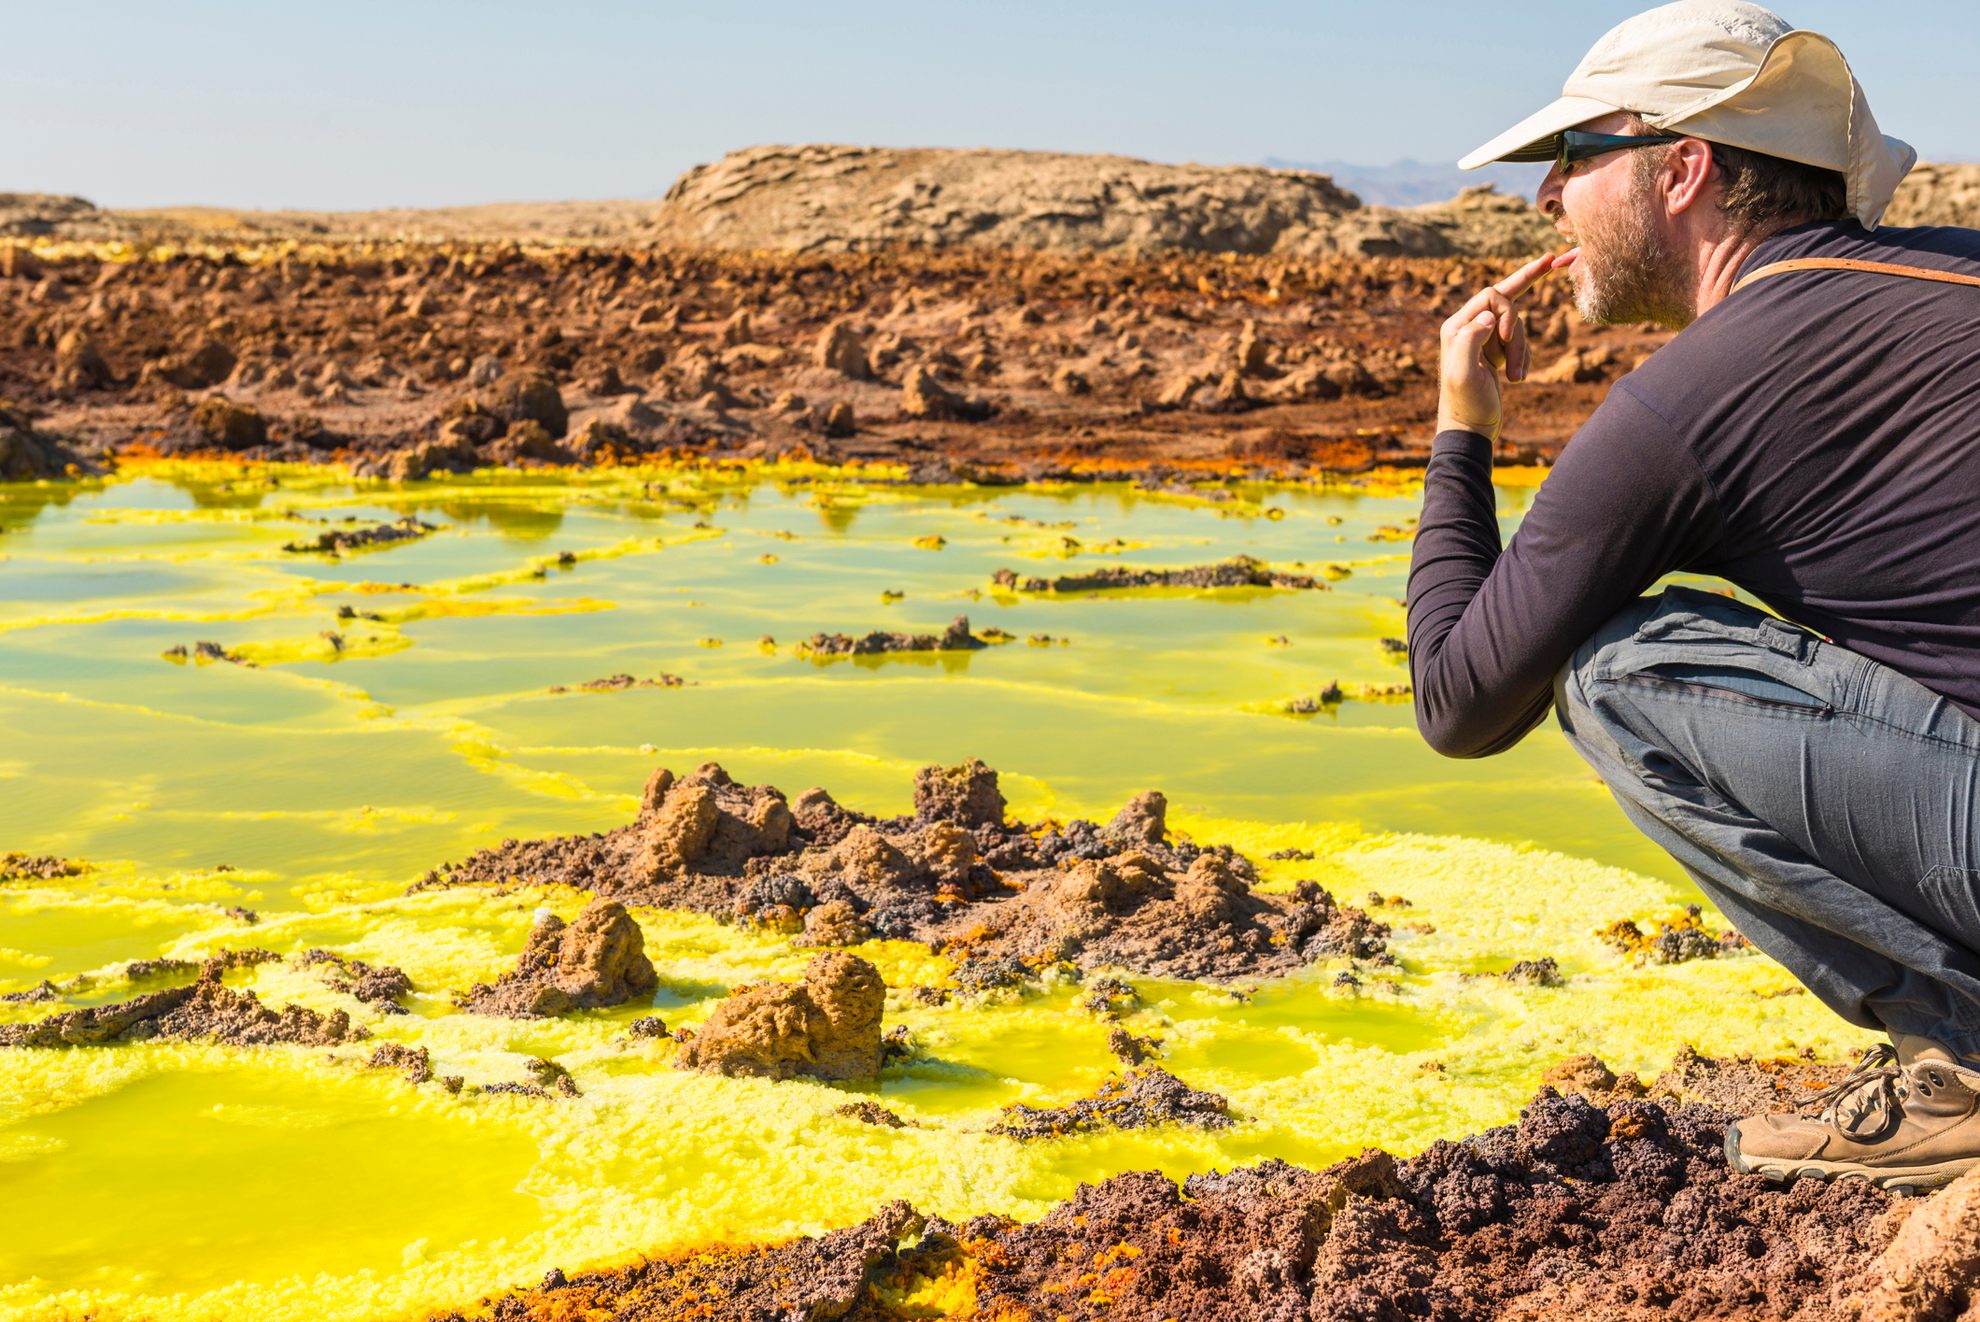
(185, 1182)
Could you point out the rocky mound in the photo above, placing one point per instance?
(1623, 1209)
(837, 198)
(1134, 1100)
(338, 541)
(38, 867)
(814, 1279)
(27, 455)
(955, 638)
(1240, 571)
(954, 875)
(597, 959)
(377, 985)
(204, 1011)
(827, 1027)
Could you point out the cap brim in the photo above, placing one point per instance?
(1528, 139)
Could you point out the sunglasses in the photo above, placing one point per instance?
(1575, 146)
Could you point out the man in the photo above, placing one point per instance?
(1813, 436)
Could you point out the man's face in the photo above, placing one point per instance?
(1629, 267)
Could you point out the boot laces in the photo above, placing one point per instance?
(1873, 1091)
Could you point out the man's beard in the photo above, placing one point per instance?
(1627, 271)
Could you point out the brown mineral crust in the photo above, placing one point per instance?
(956, 876)
(834, 923)
(1145, 819)
(1626, 1212)
(1144, 1096)
(408, 359)
(827, 1027)
(823, 1278)
(1932, 1268)
(1240, 571)
(598, 959)
(965, 794)
(38, 867)
(1743, 1084)
(955, 638)
(204, 1011)
(339, 540)
(230, 426)
(870, 1113)
(412, 1062)
(379, 985)
(707, 823)
(1151, 915)
(141, 970)
(620, 682)
(1623, 1210)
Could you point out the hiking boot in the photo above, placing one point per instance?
(1907, 1118)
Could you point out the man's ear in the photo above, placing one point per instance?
(1687, 174)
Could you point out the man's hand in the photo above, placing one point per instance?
(1482, 338)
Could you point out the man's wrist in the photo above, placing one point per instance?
(1447, 424)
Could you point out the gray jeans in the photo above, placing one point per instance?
(1827, 804)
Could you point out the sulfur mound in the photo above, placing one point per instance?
(955, 875)
(204, 1011)
(596, 960)
(827, 1026)
(1137, 1099)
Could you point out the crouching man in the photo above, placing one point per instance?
(1812, 436)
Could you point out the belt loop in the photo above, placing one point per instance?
(1776, 637)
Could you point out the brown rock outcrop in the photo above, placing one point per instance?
(842, 349)
(997, 896)
(79, 365)
(966, 795)
(596, 960)
(1932, 1269)
(925, 397)
(229, 425)
(708, 823)
(827, 1027)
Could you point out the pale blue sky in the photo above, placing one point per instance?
(361, 103)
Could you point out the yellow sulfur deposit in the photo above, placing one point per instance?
(284, 795)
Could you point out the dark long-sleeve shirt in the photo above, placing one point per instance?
(1814, 439)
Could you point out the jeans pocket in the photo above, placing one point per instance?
(1953, 896)
(1746, 687)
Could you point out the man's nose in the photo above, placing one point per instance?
(1548, 199)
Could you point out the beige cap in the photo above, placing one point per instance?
(1729, 72)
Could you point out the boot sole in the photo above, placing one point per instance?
(1896, 1179)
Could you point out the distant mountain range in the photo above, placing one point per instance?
(1413, 183)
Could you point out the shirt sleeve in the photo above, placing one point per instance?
(1624, 505)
